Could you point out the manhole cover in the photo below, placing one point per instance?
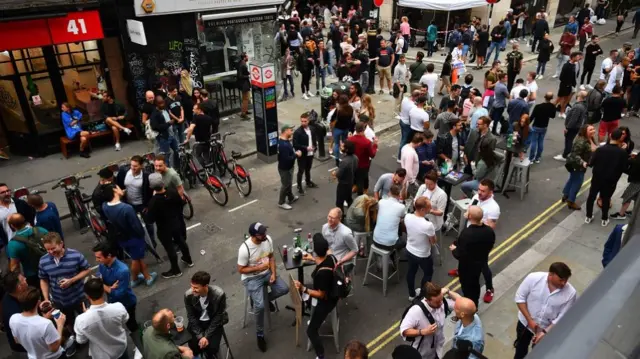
(212, 228)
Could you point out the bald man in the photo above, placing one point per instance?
(472, 252)
(157, 343)
(147, 109)
(469, 326)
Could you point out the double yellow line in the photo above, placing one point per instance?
(390, 334)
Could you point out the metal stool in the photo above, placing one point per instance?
(518, 175)
(436, 249)
(335, 327)
(362, 240)
(385, 255)
(265, 301)
(460, 206)
(228, 354)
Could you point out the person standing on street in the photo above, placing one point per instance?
(577, 163)
(411, 163)
(135, 185)
(115, 277)
(385, 181)
(514, 65)
(176, 111)
(165, 210)
(9, 206)
(540, 29)
(304, 140)
(162, 123)
(123, 222)
(406, 106)
(257, 267)
(472, 249)
(206, 307)
(608, 162)
(431, 37)
(586, 31)
(567, 42)
(577, 116)
(421, 237)
(286, 161)
(25, 249)
(542, 299)
(545, 49)
(47, 215)
(345, 175)
(568, 82)
(14, 285)
(417, 69)
(244, 85)
(497, 35)
(341, 241)
(540, 117)
(501, 97)
(591, 53)
(469, 327)
(385, 58)
(102, 325)
(612, 108)
(365, 150)
(401, 76)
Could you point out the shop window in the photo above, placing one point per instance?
(6, 68)
(10, 110)
(81, 86)
(77, 54)
(42, 102)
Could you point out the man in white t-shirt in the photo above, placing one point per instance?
(437, 198)
(430, 79)
(421, 235)
(519, 86)
(418, 116)
(410, 162)
(37, 334)
(456, 54)
(257, 267)
(408, 104)
(390, 214)
(532, 87)
(615, 78)
(607, 64)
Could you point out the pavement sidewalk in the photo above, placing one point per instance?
(573, 242)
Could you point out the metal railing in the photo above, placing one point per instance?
(605, 321)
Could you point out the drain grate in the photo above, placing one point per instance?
(211, 228)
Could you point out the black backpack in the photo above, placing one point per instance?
(418, 301)
(35, 248)
(341, 286)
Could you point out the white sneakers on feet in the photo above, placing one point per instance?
(563, 115)
(118, 147)
(126, 130)
(285, 206)
(304, 96)
(416, 294)
(309, 94)
(605, 222)
(559, 158)
(588, 220)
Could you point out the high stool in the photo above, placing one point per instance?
(362, 240)
(267, 312)
(436, 249)
(228, 354)
(385, 255)
(459, 209)
(335, 327)
(230, 93)
(518, 175)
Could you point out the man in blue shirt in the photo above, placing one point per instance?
(115, 276)
(517, 108)
(469, 327)
(432, 35)
(20, 251)
(286, 162)
(71, 122)
(499, 101)
(47, 215)
(572, 26)
(427, 153)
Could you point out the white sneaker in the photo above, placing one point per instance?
(563, 115)
(304, 96)
(582, 88)
(588, 220)
(559, 158)
(285, 206)
(310, 94)
(605, 222)
(295, 198)
(118, 147)
(555, 76)
(127, 131)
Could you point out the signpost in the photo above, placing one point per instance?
(265, 111)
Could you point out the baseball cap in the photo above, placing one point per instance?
(156, 181)
(286, 127)
(256, 228)
(105, 173)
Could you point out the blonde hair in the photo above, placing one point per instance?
(367, 105)
(369, 206)
(185, 82)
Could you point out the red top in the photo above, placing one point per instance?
(365, 150)
(567, 41)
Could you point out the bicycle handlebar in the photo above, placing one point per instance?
(60, 183)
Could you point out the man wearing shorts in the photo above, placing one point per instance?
(130, 233)
(612, 108)
(568, 81)
(71, 123)
(385, 59)
(114, 115)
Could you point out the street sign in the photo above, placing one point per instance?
(493, 1)
(378, 3)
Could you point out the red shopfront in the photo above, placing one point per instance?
(43, 63)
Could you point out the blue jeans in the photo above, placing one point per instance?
(496, 117)
(338, 136)
(320, 73)
(493, 46)
(573, 185)
(427, 271)
(178, 130)
(536, 136)
(469, 187)
(288, 78)
(255, 287)
(430, 48)
(166, 145)
(405, 133)
(541, 67)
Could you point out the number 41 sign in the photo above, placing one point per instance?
(75, 27)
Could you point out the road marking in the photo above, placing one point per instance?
(243, 205)
(510, 242)
(193, 226)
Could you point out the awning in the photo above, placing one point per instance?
(444, 5)
(231, 18)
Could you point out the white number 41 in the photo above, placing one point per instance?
(72, 27)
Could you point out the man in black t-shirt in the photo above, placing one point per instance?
(373, 44)
(385, 59)
(209, 106)
(202, 127)
(114, 116)
(173, 104)
(147, 109)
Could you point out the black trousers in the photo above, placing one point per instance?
(587, 71)
(343, 193)
(132, 323)
(304, 166)
(511, 78)
(469, 274)
(372, 78)
(362, 179)
(211, 350)
(306, 79)
(170, 236)
(318, 316)
(606, 191)
(523, 339)
(535, 42)
(568, 140)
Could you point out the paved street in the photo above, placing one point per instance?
(367, 316)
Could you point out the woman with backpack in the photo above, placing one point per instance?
(322, 292)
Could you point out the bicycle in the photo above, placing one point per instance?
(190, 170)
(238, 173)
(76, 200)
(23, 192)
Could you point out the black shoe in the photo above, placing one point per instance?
(262, 344)
(272, 307)
(628, 213)
(311, 185)
(564, 198)
(301, 191)
(188, 263)
(171, 274)
(85, 154)
(618, 216)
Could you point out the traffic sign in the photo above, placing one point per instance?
(493, 1)
(378, 3)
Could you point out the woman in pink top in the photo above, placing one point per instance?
(405, 29)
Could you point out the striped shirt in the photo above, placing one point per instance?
(71, 263)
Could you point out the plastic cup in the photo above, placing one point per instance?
(179, 324)
(56, 314)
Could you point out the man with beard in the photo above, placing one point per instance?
(9, 206)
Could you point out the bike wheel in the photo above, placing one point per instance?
(217, 190)
(187, 209)
(243, 180)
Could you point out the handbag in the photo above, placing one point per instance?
(148, 132)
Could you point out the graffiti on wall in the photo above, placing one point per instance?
(193, 56)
